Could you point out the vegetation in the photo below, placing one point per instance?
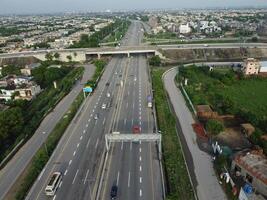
(230, 93)
(43, 154)
(178, 183)
(100, 64)
(11, 69)
(8, 31)
(214, 127)
(94, 39)
(27, 115)
(155, 61)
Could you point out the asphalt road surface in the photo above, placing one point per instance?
(80, 152)
(207, 187)
(10, 173)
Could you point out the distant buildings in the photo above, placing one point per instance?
(185, 29)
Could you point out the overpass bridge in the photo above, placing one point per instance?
(82, 54)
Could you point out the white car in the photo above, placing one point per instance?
(104, 106)
(108, 94)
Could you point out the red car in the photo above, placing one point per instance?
(136, 129)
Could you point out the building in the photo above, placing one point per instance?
(251, 66)
(184, 29)
(153, 21)
(247, 129)
(28, 92)
(27, 70)
(251, 166)
(204, 112)
(263, 67)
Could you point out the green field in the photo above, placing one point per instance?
(230, 93)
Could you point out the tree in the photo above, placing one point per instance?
(254, 39)
(155, 61)
(57, 55)
(75, 54)
(49, 56)
(214, 127)
(10, 69)
(69, 57)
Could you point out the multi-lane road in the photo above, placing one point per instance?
(133, 167)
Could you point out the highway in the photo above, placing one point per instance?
(13, 169)
(81, 150)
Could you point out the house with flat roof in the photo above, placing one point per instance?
(252, 167)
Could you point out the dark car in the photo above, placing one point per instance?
(107, 84)
(113, 192)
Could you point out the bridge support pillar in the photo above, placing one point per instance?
(98, 56)
(128, 54)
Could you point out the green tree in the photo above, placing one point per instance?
(49, 56)
(155, 61)
(10, 69)
(214, 127)
(57, 55)
(69, 57)
(11, 122)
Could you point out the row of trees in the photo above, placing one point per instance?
(94, 40)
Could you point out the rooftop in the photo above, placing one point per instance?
(254, 162)
(203, 108)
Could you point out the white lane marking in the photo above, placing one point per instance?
(60, 184)
(118, 177)
(75, 176)
(140, 149)
(124, 121)
(81, 137)
(140, 179)
(78, 145)
(84, 131)
(131, 145)
(121, 145)
(140, 108)
(140, 112)
(54, 197)
(127, 105)
(140, 168)
(129, 179)
(41, 174)
(93, 110)
(74, 153)
(104, 120)
(96, 143)
(95, 107)
(91, 115)
(70, 162)
(132, 121)
(133, 105)
(65, 172)
(140, 193)
(140, 123)
(86, 125)
(140, 142)
(44, 132)
(139, 104)
(140, 158)
(86, 176)
(140, 117)
(88, 143)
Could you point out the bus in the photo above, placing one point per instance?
(53, 184)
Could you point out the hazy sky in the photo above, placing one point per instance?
(47, 6)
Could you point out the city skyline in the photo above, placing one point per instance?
(42, 6)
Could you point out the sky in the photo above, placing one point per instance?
(52, 6)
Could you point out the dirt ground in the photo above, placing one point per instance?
(233, 138)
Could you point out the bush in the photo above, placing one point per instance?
(155, 61)
(214, 127)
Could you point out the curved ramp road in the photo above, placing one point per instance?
(208, 187)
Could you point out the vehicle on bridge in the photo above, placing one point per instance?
(53, 184)
(136, 129)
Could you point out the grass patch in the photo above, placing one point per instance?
(178, 183)
(229, 93)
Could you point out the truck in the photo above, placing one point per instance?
(149, 101)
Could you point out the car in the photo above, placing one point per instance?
(104, 106)
(107, 84)
(113, 192)
(136, 129)
(108, 94)
(96, 116)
